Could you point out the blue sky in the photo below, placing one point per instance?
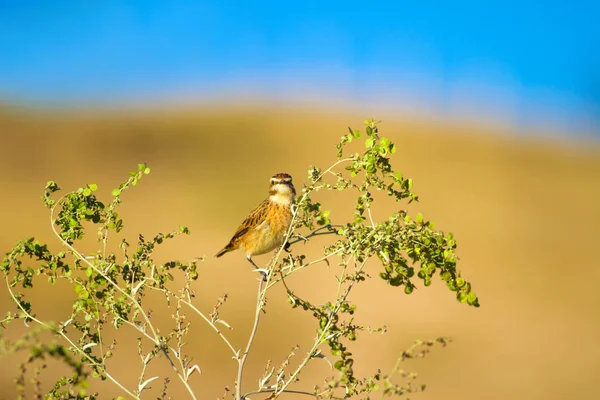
(525, 62)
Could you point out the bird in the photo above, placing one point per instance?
(265, 228)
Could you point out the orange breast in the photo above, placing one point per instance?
(269, 235)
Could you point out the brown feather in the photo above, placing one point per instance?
(255, 218)
(266, 226)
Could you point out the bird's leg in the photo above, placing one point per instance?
(264, 272)
(249, 258)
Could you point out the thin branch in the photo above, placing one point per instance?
(242, 360)
(316, 344)
(277, 280)
(68, 339)
(319, 340)
(143, 332)
(215, 328)
(370, 216)
(98, 327)
(262, 293)
(157, 338)
(288, 391)
(204, 317)
(314, 262)
(316, 232)
(141, 380)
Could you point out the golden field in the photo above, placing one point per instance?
(525, 212)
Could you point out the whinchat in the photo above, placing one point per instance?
(266, 227)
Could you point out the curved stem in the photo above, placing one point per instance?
(202, 315)
(277, 280)
(316, 232)
(242, 360)
(262, 294)
(287, 391)
(215, 328)
(294, 216)
(157, 338)
(320, 339)
(73, 345)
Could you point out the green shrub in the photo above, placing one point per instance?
(112, 288)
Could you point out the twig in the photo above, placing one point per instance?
(370, 216)
(277, 280)
(203, 316)
(242, 360)
(262, 294)
(73, 345)
(316, 232)
(157, 338)
(288, 391)
(215, 328)
(319, 340)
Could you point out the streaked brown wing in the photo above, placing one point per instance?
(256, 217)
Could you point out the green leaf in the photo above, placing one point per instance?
(51, 186)
(141, 167)
(471, 298)
(369, 142)
(116, 192)
(93, 187)
(87, 192)
(146, 171)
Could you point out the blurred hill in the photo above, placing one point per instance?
(525, 211)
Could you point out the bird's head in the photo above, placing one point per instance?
(281, 189)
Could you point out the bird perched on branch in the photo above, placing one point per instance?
(266, 226)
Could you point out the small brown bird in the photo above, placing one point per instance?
(266, 226)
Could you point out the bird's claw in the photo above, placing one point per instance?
(263, 272)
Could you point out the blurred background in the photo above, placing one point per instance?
(494, 109)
